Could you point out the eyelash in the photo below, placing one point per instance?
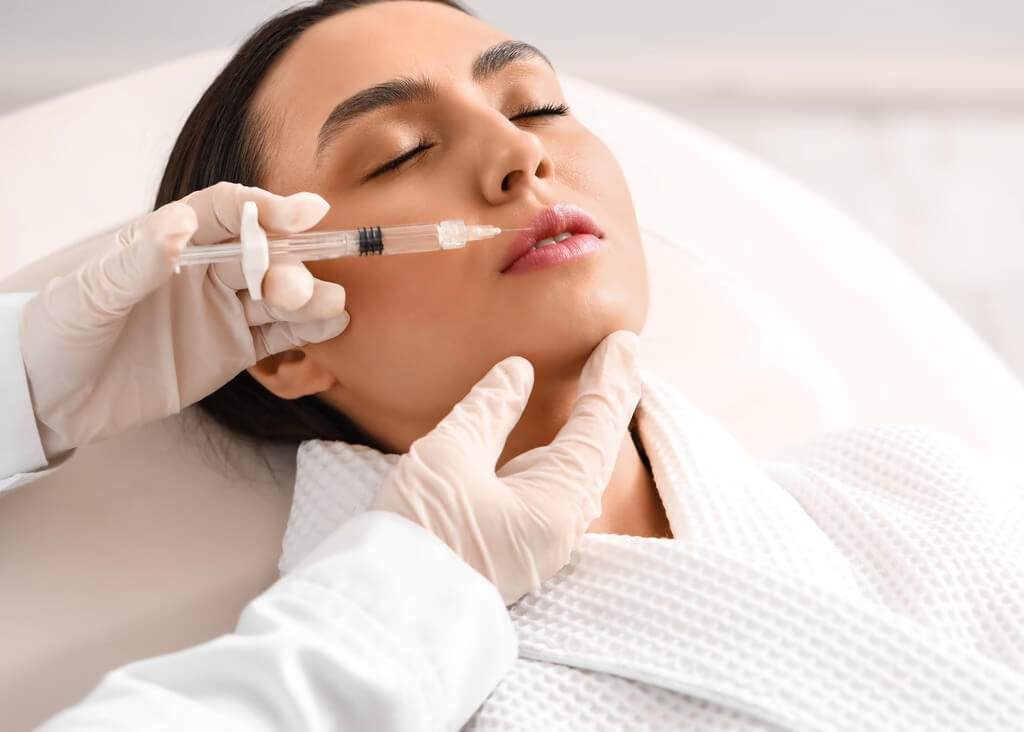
(545, 109)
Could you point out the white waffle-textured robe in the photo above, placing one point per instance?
(873, 580)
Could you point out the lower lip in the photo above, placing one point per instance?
(576, 246)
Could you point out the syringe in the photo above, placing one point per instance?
(254, 248)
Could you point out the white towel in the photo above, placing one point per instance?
(874, 579)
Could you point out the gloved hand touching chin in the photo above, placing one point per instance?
(518, 525)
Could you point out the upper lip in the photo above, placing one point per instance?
(547, 223)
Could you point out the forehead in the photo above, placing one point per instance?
(356, 49)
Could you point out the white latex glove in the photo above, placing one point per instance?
(123, 340)
(519, 525)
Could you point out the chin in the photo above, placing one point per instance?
(561, 347)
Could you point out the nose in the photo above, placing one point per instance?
(514, 162)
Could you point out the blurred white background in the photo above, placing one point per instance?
(909, 115)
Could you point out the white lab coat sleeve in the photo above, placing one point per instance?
(21, 452)
(383, 627)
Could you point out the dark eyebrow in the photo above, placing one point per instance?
(404, 90)
(495, 58)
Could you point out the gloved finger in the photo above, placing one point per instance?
(327, 301)
(282, 335)
(230, 274)
(481, 422)
(141, 261)
(287, 284)
(584, 451)
(219, 211)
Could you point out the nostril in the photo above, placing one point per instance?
(506, 182)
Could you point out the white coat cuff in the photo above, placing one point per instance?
(437, 606)
(21, 450)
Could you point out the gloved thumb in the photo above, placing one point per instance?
(481, 422)
(585, 449)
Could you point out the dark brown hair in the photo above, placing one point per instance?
(223, 139)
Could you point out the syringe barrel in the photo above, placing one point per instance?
(313, 245)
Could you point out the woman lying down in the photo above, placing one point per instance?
(873, 580)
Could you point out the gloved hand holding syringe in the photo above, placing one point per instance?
(254, 248)
(124, 340)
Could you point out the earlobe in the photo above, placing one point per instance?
(292, 374)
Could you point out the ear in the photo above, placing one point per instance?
(292, 374)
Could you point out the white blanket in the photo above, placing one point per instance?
(872, 580)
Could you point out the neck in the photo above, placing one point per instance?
(631, 504)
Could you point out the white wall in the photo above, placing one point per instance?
(48, 47)
(51, 46)
(752, 25)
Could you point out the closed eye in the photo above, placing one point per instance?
(392, 164)
(544, 110)
(554, 109)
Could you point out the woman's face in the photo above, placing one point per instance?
(425, 327)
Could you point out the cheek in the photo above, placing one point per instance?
(406, 349)
(585, 164)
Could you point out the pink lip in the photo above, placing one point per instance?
(586, 237)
